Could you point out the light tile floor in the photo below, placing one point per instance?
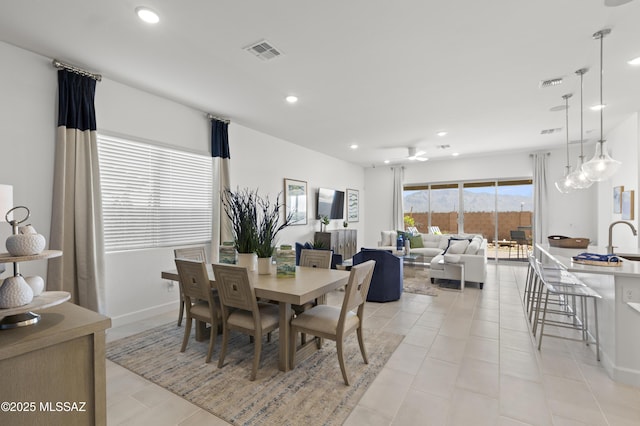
(467, 359)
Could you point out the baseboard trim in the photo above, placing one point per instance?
(133, 317)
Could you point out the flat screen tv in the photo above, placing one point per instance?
(330, 203)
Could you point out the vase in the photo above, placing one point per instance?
(26, 242)
(15, 292)
(264, 265)
(248, 260)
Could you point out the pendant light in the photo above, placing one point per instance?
(601, 166)
(564, 184)
(578, 177)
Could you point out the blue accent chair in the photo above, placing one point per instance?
(386, 283)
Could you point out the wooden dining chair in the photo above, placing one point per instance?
(241, 310)
(312, 259)
(190, 253)
(198, 299)
(316, 258)
(333, 323)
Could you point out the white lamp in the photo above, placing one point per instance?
(601, 166)
(564, 185)
(578, 177)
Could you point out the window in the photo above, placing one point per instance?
(153, 196)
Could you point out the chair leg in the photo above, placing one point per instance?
(341, 361)
(212, 340)
(256, 357)
(361, 343)
(181, 314)
(187, 332)
(223, 350)
(544, 317)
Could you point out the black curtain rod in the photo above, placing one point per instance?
(61, 65)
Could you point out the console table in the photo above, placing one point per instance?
(56, 368)
(341, 241)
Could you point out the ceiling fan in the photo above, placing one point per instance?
(615, 3)
(415, 155)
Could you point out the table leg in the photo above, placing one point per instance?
(285, 331)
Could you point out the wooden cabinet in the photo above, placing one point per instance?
(341, 241)
(54, 371)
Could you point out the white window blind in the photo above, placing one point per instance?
(153, 196)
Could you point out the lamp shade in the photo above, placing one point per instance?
(6, 201)
(601, 166)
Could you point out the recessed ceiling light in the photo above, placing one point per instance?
(291, 99)
(598, 107)
(443, 133)
(147, 15)
(634, 61)
(353, 146)
(386, 161)
(455, 154)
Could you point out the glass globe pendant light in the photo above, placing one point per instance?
(578, 177)
(601, 166)
(564, 184)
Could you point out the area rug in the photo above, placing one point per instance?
(416, 280)
(311, 394)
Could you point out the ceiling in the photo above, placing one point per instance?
(383, 75)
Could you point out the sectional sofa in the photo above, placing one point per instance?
(443, 252)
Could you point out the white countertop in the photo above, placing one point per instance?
(628, 268)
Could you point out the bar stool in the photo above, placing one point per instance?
(532, 284)
(574, 289)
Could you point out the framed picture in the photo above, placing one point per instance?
(353, 205)
(627, 205)
(295, 198)
(617, 198)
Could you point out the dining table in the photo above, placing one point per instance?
(307, 285)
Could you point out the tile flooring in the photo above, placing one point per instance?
(467, 359)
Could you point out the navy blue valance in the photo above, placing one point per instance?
(219, 139)
(76, 94)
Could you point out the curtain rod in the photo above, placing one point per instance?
(61, 65)
(213, 117)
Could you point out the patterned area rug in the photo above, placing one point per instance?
(311, 394)
(416, 280)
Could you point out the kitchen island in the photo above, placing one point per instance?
(618, 310)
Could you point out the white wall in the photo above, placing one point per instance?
(134, 287)
(622, 144)
(379, 185)
(27, 140)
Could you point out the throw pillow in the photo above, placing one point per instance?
(458, 247)
(416, 241)
(388, 238)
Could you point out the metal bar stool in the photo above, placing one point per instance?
(579, 319)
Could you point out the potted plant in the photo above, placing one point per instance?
(324, 221)
(241, 209)
(268, 228)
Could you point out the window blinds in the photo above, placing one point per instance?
(153, 196)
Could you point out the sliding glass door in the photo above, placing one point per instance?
(501, 211)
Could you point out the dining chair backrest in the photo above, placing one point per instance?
(194, 280)
(234, 287)
(191, 253)
(316, 258)
(358, 286)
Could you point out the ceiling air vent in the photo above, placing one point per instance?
(551, 82)
(551, 131)
(263, 50)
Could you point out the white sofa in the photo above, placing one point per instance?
(470, 249)
(473, 254)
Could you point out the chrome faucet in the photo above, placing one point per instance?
(610, 246)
